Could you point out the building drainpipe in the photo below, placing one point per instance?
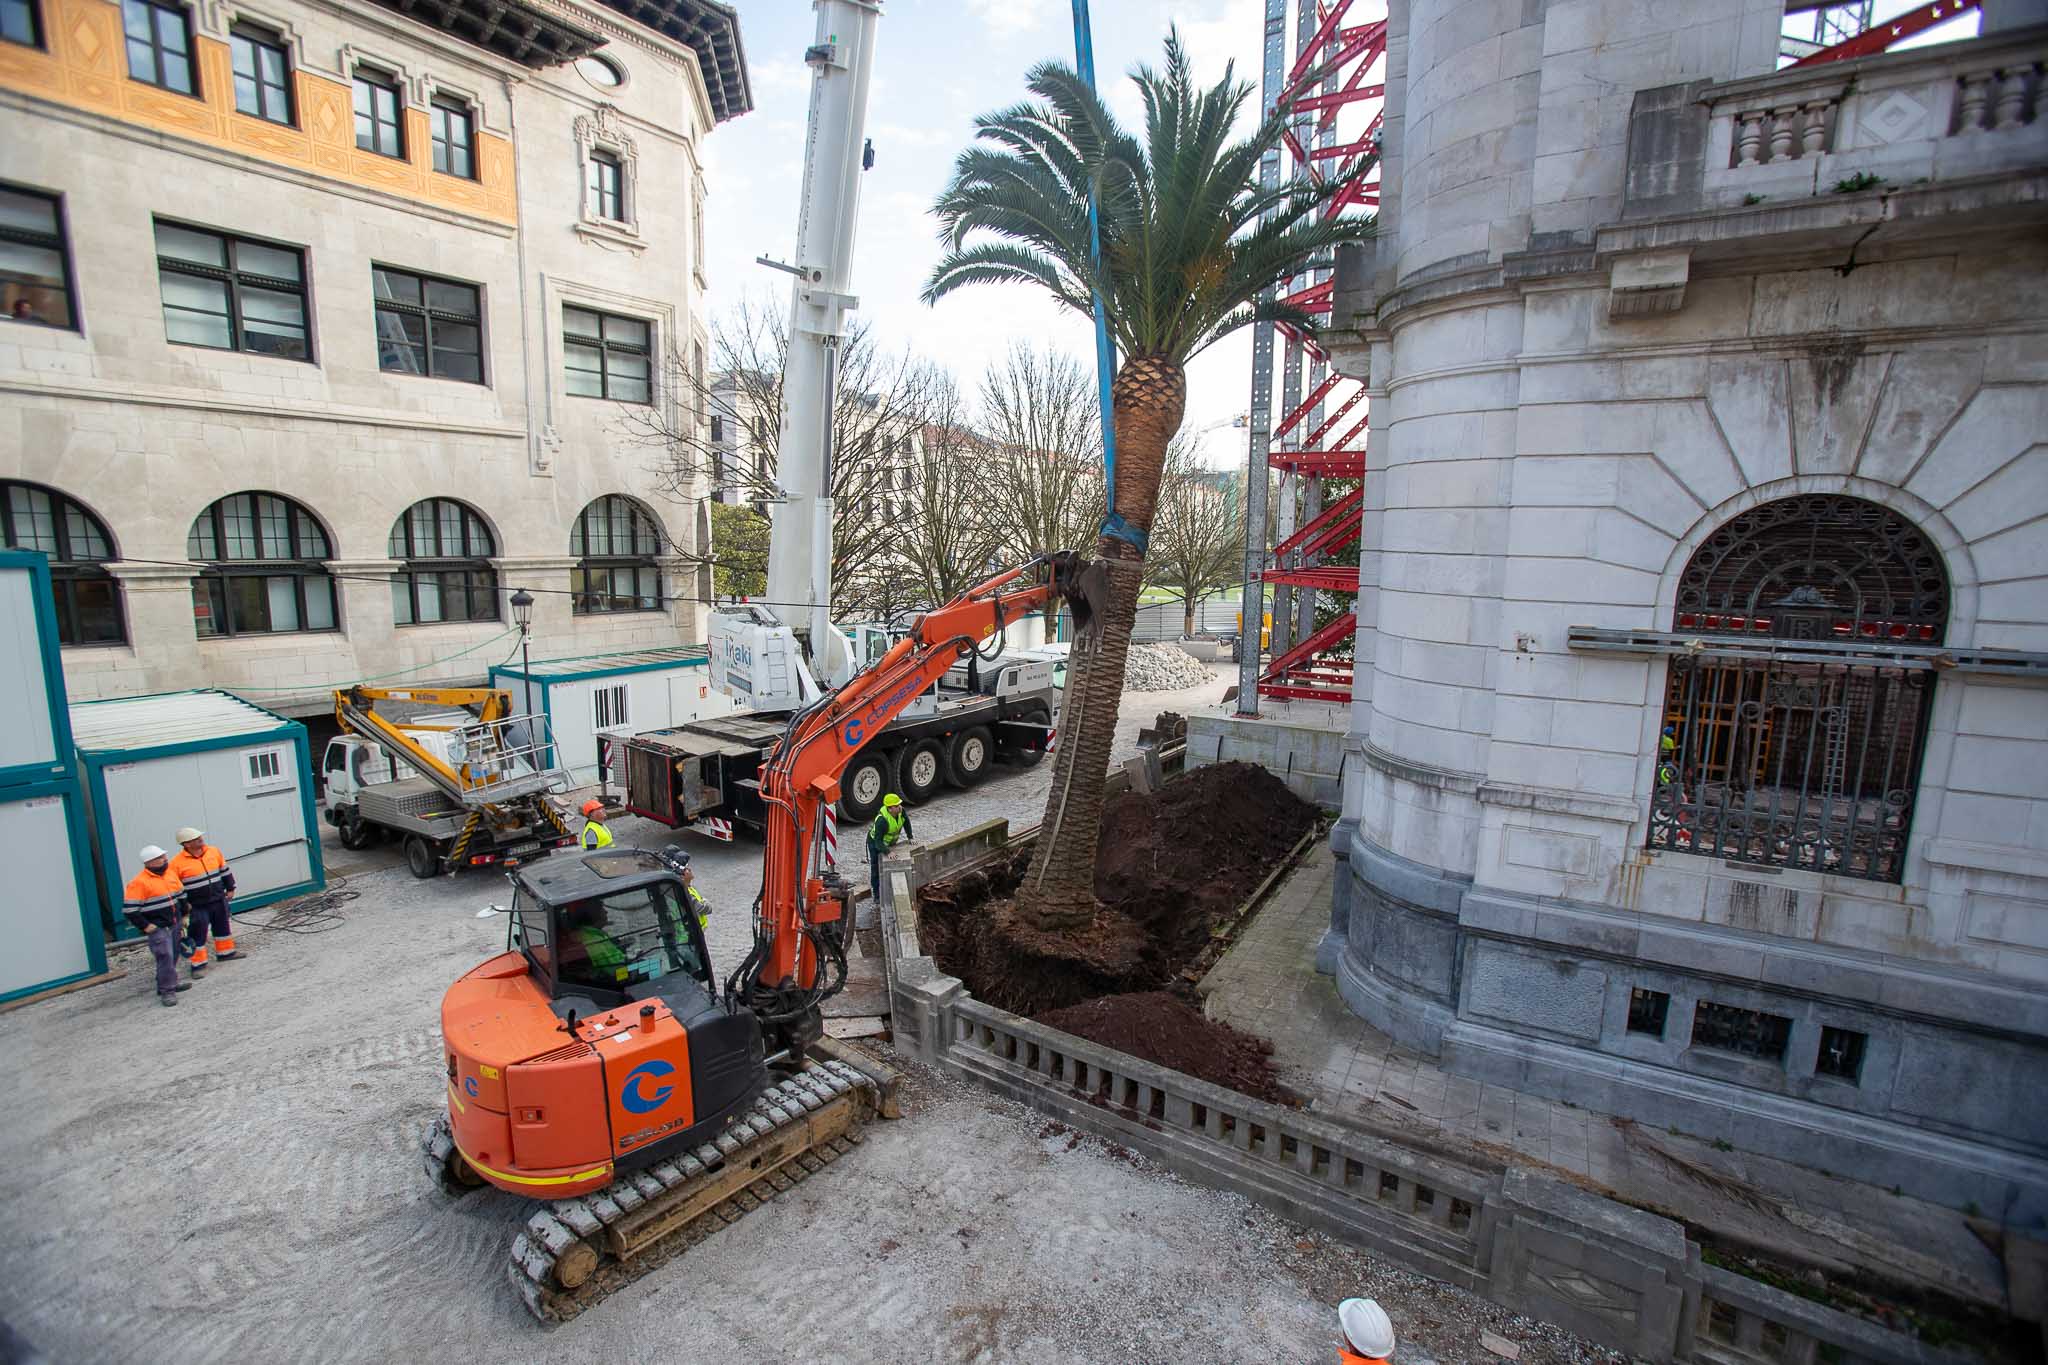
(533, 437)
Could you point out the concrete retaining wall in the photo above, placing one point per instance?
(1308, 757)
(1608, 1272)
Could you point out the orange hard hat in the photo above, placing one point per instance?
(593, 807)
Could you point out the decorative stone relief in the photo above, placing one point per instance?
(605, 131)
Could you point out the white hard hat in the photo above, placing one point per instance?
(1367, 1328)
(188, 834)
(150, 853)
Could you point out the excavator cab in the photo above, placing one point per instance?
(604, 930)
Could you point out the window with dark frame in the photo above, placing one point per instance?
(263, 81)
(428, 326)
(35, 263)
(1841, 1054)
(265, 572)
(159, 42)
(1802, 761)
(454, 132)
(380, 114)
(615, 543)
(19, 23)
(87, 597)
(607, 187)
(608, 356)
(448, 576)
(1647, 1011)
(232, 293)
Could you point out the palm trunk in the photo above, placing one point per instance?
(1146, 402)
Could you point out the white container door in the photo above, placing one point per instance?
(39, 915)
(28, 737)
(259, 821)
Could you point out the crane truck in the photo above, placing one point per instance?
(776, 657)
(598, 1065)
(448, 771)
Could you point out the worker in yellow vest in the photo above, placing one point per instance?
(209, 885)
(1368, 1333)
(153, 903)
(891, 823)
(595, 835)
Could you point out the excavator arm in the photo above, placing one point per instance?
(782, 978)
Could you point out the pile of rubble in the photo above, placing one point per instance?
(1162, 668)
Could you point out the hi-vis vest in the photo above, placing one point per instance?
(153, 897)
(888, 827)
(595, 836)
(700, 905)
(206, 878)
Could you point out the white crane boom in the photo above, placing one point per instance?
(799, 600)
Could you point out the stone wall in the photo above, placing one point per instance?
(1595, 332)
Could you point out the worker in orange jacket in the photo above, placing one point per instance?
(1368, 1334)
(209, 885)
(153, 903)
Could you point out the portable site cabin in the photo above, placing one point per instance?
(207, 759)
(612, 694)
(49, 918)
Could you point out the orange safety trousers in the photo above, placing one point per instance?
(1347, 1356)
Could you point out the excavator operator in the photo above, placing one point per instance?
(647, 939)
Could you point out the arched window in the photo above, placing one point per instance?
(87, 596)
(448, 576)
(1808, 755)
(615, 542)
(265, 560)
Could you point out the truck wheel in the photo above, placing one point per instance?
(420, 857)
(1030, 758)
(967, 757)
(868, 779)
(354, 833)
(921, 771)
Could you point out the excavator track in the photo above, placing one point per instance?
(574, 1253)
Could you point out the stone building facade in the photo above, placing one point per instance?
(324, 321)
(1697, 770)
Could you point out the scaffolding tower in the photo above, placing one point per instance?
(1319, 436)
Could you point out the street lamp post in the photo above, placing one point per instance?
(522, 616)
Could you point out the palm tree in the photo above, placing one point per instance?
(1191, 247)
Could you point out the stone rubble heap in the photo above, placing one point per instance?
(1162, 668)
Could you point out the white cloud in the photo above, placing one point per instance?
(1008, 18)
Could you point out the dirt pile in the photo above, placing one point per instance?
(1162, 668)
(1165, 1029)
(1172, 865)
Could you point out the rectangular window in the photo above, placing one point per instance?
(1747, 1033)
(454, 139)
(159, 38)
(608, 356)
(609, 706)
(263, 86)
(1841, 1054)
(35, 266)
(607, 187)
(428, 326)
(232, 293)
(1647, 1010)
(265, 768)
(19, 23)
(380, 114)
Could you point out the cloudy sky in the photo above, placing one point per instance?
(938, 63)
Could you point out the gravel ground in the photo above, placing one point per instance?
(238, 1179)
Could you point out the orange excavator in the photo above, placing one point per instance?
(598, 1065)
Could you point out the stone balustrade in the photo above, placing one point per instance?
(1943, 112)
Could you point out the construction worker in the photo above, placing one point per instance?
(209, 885)
(1368, 1333)
(595, 835)
(152, 904)
(681, 862)
(608, 960)
(891, 823)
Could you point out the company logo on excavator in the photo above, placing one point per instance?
(469, 1086)
(640, 1101)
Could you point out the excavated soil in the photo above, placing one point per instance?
(1163, 1028)
(1172, 865)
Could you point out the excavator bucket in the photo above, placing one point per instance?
(1084, 584)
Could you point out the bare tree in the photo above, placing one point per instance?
(950, 531)
(1197, 534)
(882, 398)
(1045, 473)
